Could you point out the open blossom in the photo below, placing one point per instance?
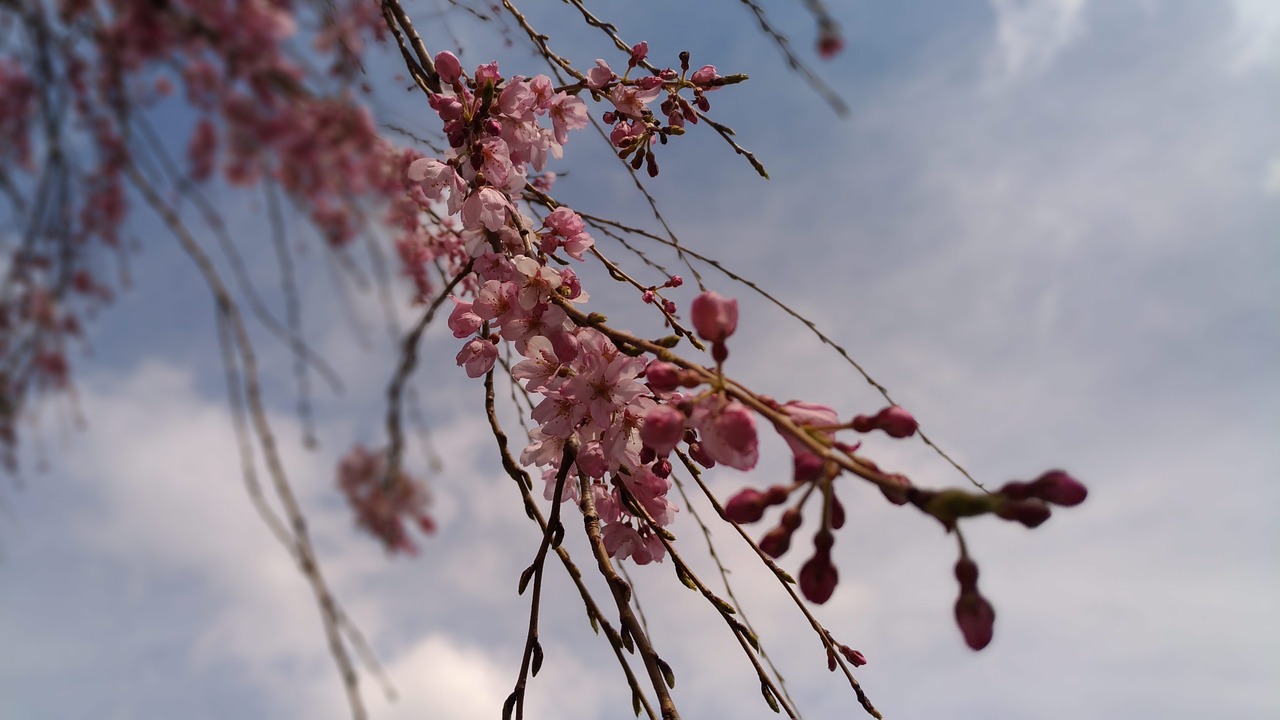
(728, 432)
(439, 180)
(463, 321)
(623, 541)
(568, 112)
(600, 75)
(487, 208)
(632, 101)
(477, 357)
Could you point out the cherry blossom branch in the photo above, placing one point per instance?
(552, 535)
(303, 550)
(660, 676)
(809, 324)
(819, 86)
(409, 360)
(788, 584)
(745, 637)
(594, 614)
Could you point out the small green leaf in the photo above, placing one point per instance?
(769, 698)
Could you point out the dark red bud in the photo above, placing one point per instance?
(818, 579)
(967, 574)
(776, 542)
(1059, 488)
(776, 494)
(662, 468)
(837, 514)
(647, 455)
(862, 424)
(698, 455)
(1016, 490)
(808, 467)
(719, 351)
(976, 618)
(1031, 512)
(791, 519)
(822, 542)
(855, 658)
(746, 507)
(897, 494)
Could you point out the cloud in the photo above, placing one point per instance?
(1031, 33)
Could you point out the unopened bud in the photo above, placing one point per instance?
(976, 618)
(1031, 512)
(714, 316)
(662, 376)
(747, 506)
(1059, 488)
(818, 578)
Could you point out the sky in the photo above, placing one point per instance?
(1050, 227)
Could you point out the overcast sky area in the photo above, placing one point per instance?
(1050, 227)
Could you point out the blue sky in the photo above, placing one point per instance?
(1049, 227)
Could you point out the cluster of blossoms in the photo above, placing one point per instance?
(622, 408)
(384, 502)
(635, 126)
(83, 77)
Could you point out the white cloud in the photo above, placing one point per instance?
(1255, 41)
(1031, 33)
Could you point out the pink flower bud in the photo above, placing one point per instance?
(818, 578)
(639, 52)
(448, 66)
(1059, 488)
(662, 429)
(714, 317)
(704, 75)
(976, 618)
(728, 431)
(896, 422)
(837, 514)
(662, 376)
(746, 507)
(897, 493)
(700, 456)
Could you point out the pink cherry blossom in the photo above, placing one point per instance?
(663, 427)
(477, 357)
(600, 75)
(728, 432)
(485, 208)
(568, 112)
(714, 316)
(462, 321)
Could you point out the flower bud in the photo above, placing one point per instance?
(700, 456)
(976, 619)
(776, 494)
(776, 542)
(855, 658)
(837, 514)
(746, 507)
(715, 317)
(448, 67)
(662, 376)
(967, 574)
(896, 422)
(808, 467)
(662, 429)
(1031, 512)
(1059, 488)
(818, 578)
